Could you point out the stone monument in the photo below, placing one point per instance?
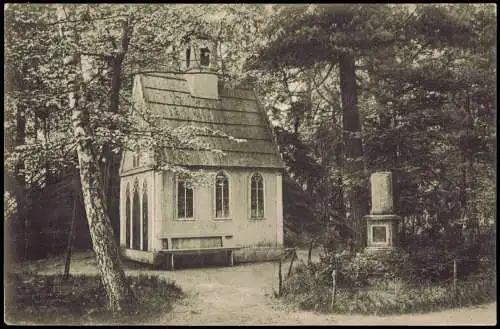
(382, 223)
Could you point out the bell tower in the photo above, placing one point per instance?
(199, 66)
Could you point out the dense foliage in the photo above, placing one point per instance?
(388, 296)
(350, 89)
(32, 298)
(425, 97)
(115, 42)
(83, 58)
(424, 115)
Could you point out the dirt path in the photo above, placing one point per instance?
(243, 294)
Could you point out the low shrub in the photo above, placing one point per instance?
(358, 269)
(423, 265)
(488, 245)
(429, 264)
(32, 298)
(311, 290)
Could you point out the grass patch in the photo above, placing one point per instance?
(48, 299)
(386, 297)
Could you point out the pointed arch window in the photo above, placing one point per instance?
(136, 158)
(145, 217)
(184, 198)
(188, 57)
(221, 195)
(128, 223)
(136, 219)
(204, 57)
(257, 196)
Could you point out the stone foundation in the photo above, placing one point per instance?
(243, 255)
(258, 254)
(148, 257)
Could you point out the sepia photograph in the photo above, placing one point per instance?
(250, 164)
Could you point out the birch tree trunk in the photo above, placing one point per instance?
(120, 295)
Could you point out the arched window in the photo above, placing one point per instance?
(221, 195)
(188, 57)
(184, 198)
(136, 158)
(204, 57)
(257, 196)
(136, 219)
(145, 217)
(128, 223)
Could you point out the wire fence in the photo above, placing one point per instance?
(451, 275)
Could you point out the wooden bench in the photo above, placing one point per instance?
(228, 251)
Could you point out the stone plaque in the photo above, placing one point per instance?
(379, 234)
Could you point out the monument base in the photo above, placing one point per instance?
(382, 231)
(380, 250)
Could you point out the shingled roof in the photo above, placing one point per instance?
(236, 112)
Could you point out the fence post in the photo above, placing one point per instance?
(334, 287)
(309, 253)
(279, 280)
(70, 241)
(291, 262)
(455, 275)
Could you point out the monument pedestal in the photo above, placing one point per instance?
(382, 224)
(382, 232)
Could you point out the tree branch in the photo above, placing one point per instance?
(285, 82)
(105, 56)
(127, 29)
(66, 21)
(111, 39)
(326, 76)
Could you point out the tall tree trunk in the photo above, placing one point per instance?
(20, 179)
(356, 196)
(463, 188)
(17, 183)
(19, 187)
(396, 173)
(120, 295)
(111, 165)
(396, 143)
(340, 166)
(469, 180)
